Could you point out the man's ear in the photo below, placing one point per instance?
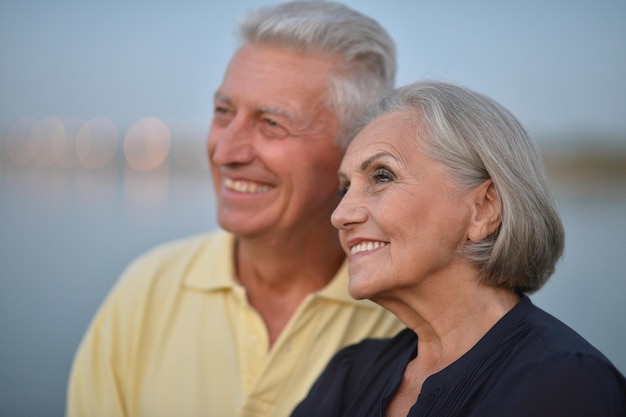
(486, 210)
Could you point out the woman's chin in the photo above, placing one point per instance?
(359, 292)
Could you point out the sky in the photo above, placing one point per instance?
(560, 66)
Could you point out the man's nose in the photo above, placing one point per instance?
(232, 144)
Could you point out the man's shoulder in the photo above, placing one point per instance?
(173, 261)
(182, 250)
(186, 245)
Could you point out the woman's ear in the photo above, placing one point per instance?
(486, 211)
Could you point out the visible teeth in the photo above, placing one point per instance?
(245, 186)
(365, 246)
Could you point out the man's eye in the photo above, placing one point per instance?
(221, 110)
(222, 115)
(272, 129)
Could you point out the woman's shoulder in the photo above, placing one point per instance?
(574, 383)
(557, 339)
(555, 363)
(374, 357)
(358, 375)
(371, 356)
(380, 348)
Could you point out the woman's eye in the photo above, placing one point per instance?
(343, 189)
(382, 175)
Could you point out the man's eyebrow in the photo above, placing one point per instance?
(374, 157)
(261, 109)
(276, 110)
(221, 97)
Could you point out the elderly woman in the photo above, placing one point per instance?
(448, 222)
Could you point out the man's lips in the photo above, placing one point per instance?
(243, 186)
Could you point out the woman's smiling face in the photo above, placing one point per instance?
(402, 217)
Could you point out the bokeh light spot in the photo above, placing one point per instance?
(147, 144)
(96, 143)
(64, 147)
(51, 133)
(23, 141)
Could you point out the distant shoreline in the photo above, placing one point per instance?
(584, 165)
(587, 167)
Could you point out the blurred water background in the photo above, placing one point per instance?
(104, 109)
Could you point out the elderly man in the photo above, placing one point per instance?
(240, 321)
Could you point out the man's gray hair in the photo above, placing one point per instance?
(366, 51)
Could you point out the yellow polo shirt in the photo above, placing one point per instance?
(177, 337)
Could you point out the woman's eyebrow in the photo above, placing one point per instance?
(374, 157)
(365, 164)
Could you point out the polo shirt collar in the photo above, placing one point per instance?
(212, 269)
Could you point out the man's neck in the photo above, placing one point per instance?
(279, 274)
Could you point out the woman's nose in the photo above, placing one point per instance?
(350, 212)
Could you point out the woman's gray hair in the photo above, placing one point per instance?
(367, 52)
(477, 139)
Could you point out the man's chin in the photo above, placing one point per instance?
(239, 227)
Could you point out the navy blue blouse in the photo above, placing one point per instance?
(528, 365)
